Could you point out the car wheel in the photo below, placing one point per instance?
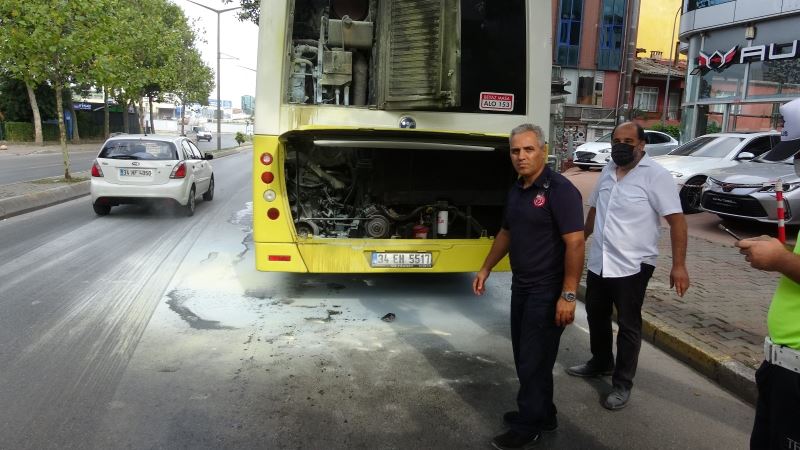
(101, 210)
(209, 194)
(190, 204)
(690, 195)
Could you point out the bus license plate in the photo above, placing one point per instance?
(385, 259)
(135, 172)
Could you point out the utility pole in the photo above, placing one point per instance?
(219, 102)
(631, 33)
(671, 63)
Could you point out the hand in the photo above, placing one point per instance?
(679, 279)
(763, 252)
(565, 312)
(479, 283)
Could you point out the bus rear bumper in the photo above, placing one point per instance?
(355, 256)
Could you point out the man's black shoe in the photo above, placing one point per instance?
(588, 370)
(514, 440)
(617, 399)
(512, 417)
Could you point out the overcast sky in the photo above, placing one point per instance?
(238, 40)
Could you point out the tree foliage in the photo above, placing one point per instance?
(250, 10)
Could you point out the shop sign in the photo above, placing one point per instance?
(766, 52)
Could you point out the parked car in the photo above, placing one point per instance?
(690, 163)
(598, 153)
(148, 168)
(747, 191)
(203, 135)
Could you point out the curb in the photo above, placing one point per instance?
(722, 369)
(25, 203)
(21, 204)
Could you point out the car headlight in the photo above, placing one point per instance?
(604, 150)
(676, 174)
(787, 187)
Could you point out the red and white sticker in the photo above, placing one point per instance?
(496, 101)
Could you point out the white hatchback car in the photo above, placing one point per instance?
(598, 153)
(148, 168)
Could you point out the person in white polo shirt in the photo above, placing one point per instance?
(777, 422)
(627, 204)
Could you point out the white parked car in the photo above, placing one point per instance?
(598, 153)
(690, 163)
(149, 168)
(747, 191)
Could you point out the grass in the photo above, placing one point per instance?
(57, 180)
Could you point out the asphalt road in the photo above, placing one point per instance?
(15, 168)
(144, 329)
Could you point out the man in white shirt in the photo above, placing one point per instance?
(631, 196)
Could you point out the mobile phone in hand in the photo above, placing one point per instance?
(725, 229)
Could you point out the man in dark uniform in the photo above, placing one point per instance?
(542, 233)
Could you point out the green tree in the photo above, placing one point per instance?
(250, 10)
(50, 41)
(195, 83)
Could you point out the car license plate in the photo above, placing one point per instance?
(135, 172)
(397, 260)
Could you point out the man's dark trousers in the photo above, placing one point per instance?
(535, 338)
(627, 294)
(777, 423)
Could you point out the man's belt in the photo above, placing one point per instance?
(780, 355)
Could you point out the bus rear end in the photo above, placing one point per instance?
(382, 130)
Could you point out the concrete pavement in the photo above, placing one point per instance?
(717, 328)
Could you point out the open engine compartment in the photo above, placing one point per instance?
(341, 189)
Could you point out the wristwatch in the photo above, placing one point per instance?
(569, 296)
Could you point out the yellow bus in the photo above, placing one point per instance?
(381, 129)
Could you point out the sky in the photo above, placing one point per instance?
(238, 40)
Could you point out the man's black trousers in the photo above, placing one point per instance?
(535, 338)
(777, 424)
(627, 294)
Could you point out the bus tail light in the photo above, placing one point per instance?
(280, 258)
(96, 170)
(179, 171)
(267, 177)
(273, 213)
(266, 159)
(270, 195)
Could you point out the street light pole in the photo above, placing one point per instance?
(219, 102)
(669, 71)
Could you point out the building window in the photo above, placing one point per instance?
(697, 4)
(646, 98)
(569, 32)
(612, 31)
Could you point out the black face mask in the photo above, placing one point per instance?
(622, 153)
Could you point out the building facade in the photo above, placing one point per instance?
(594, 50)
(743, 63)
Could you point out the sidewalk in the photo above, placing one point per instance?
(27, 196)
